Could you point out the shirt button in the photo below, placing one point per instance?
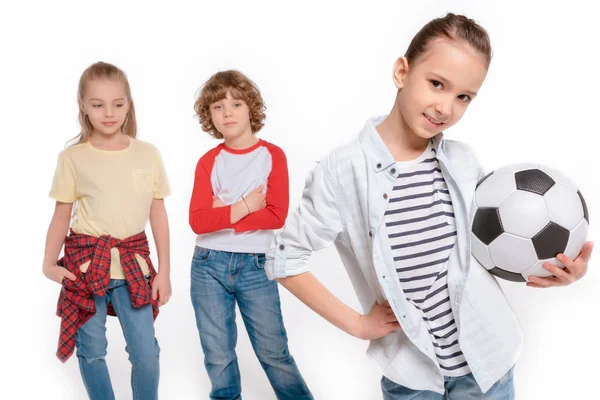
(393, 171)
(385, 196)
(378, 165)
(371, 233)
(281, 247)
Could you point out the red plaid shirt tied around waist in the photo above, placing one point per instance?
(76, 301)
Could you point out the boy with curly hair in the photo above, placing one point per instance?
(240, 195)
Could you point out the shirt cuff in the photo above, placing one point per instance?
(281, 263)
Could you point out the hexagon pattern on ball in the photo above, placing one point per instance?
(564, 206)
(487, 225)
(586, 216)
(534, 181)
(509, 276)
(577, 238)
(538, 268)
(523, 216)
(481, 253)
(520, 257)
(494, 188)
(558, 177)
(550, 241)
(483, 179)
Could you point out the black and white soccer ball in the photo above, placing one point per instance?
(524, 215)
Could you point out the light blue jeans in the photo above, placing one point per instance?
(457, 388)
(138, 329)
(219, 281)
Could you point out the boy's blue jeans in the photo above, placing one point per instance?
(457, 388)
(219, 281)
(138, 329)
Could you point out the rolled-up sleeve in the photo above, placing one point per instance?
(314, 225)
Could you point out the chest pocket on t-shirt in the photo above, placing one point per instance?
(142, 180)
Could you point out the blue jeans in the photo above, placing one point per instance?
(138, 329)
(219, 280)
(457, 388)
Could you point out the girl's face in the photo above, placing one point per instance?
(106, 105)
(438, 86)
(231, 117)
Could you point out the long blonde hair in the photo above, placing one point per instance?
(102, 70)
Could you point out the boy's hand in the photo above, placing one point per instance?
(378, 322)
(161, 288)
(57, 273)
(256, 199)
(573, 271)
(217, 202)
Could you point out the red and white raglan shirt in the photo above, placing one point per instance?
(228, 174)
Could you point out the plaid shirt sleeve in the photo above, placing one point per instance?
(76, 300)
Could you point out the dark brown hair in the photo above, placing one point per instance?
(241, 88)
(453, 27)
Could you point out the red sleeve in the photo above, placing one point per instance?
(278, 197)
(203, 217)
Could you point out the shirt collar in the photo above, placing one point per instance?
(380, 157)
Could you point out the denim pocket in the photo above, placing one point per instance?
(259, 261)
(203, 254)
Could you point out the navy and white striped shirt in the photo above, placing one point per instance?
(422, 233)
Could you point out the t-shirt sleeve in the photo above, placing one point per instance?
(278, 197)
(203, 217)
(162, 188)
(64, 186)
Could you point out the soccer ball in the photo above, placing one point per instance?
(523, 216)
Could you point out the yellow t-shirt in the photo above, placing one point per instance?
(113, 191)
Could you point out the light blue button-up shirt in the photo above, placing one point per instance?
(344, 201)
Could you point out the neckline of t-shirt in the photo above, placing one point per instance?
(242, 151)
(126, 149)
(414, 161)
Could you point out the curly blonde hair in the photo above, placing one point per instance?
(240, 88)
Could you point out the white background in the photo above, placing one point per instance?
(323, 68)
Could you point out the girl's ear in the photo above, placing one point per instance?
(399, 72)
